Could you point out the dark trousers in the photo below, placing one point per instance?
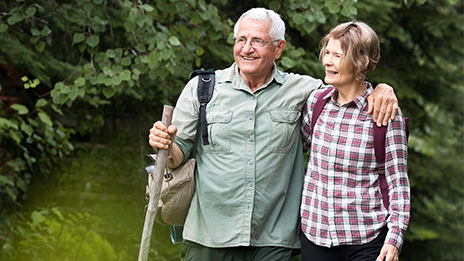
(365, 252)
(195, 252)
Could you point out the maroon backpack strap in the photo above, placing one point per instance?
(380, 134)
(320, 103)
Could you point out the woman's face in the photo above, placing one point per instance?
(336, 73)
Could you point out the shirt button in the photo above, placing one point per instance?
(250, 184)
(250, 117)
(250, 161)
(250, 138)
(252, 97)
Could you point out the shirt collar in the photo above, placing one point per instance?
(232, 75)
(360, 101)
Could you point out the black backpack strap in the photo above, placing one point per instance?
(206, 80)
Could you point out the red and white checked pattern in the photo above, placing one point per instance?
(341, 202)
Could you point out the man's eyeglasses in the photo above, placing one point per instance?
(255, 43)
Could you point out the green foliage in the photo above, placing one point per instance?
(49, 234)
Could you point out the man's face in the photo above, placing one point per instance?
(256, 62)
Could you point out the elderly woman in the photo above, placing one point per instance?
(343, 216)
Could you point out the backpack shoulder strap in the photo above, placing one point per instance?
(380, 136)
(320, 103)
(206, 80)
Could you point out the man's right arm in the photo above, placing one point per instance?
(162, 137)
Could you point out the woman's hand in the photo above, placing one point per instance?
(388, 253)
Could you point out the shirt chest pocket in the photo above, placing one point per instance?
(218, 131)
(284, 130)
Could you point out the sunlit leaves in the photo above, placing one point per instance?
(21, 109)
(173, 40)
(45, 118)
(41, 103)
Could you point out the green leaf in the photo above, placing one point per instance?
(200, 51)
(21, 109)
(147, 7)
(82, 47)
(26, 128)
(73, 94)
(65, 89)
(215, 35)
(19, 16)
(128, 4)
(118, 52)
(346, 11)
(129, 26)
(166, 54)
(40, 46)
(320, 17)
(125, 75)
(6, 123)
(153, 58)
(81, 92)
(298, 19)
(24, 79)
(109, 92)
(173, 40)
(46, 31)
(140, 48)
(110, 53)
(274, 5)
(11, 20)
(287, 62)
(79, 81)
(98, 2)
(37, 218)
(3, 28)
(205, 15)
(334, 8)
(78, 37)
(35, 32)
(408, 3)
(126, 61)
(181, 6)
(45, 118)
(41, 102)
(92, 41)
(4, 180)
(116, 80)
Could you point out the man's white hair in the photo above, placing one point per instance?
(277, 30)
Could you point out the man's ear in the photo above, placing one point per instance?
(280, 48)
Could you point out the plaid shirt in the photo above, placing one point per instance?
(341, 202)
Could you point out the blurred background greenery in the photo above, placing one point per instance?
(82, 81)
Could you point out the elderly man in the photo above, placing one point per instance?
(249, 178)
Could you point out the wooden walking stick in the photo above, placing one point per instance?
(155, 190)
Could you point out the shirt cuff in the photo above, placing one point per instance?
(395, 237)
(185, 147)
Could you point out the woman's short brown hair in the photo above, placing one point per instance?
(360, 46)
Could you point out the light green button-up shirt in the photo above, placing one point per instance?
(249, 179)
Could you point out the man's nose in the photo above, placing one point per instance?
(248, 47)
